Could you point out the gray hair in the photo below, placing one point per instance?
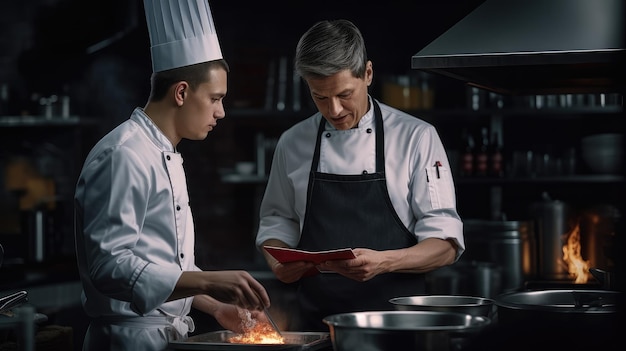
(329, 47)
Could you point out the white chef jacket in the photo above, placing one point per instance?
(134, 227)
(422, 193)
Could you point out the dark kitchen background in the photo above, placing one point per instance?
(72, 70)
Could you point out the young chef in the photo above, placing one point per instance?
(356, 174)
(134, 226)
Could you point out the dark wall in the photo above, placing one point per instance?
(97, 52)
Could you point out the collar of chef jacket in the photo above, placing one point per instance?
(153, 132)
(361, 151)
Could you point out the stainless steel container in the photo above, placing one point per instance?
(466, 278)
(598, 231)
(553, 221)
(403, 330)
(510, 245)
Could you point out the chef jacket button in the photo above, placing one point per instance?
(177, 207)
(364, 171)
(328, 135)
(182, 255)
(167, 157)
(369, 130)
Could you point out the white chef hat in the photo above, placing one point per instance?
(182, 33)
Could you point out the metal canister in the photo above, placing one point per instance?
(509, 245)
(552, 220)
(598, 229)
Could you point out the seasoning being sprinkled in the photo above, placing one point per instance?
(247, 322)
(255, 331)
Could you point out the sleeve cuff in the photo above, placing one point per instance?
(154, 286)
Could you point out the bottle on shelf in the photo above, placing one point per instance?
(4, 99)
(496, 158)
(467, 157)
(481, 157)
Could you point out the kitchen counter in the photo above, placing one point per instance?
(53, 290)
(27, 275)
(49, 284)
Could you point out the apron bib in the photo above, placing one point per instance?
(352, 211)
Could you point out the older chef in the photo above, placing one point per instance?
(134, 226)
(356, 174)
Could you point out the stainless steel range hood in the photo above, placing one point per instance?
(534, 47)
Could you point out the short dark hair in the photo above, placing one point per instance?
(192, 74)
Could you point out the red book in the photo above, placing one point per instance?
(285, 254)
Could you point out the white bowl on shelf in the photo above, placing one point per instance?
(603, 153)
(245, 168)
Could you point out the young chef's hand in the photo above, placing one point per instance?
(239, 288)
(367, 264)
(229, 316)
(236, 287)
(233, 318)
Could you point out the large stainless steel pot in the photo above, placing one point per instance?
(403, 330)
(574, 320)
(475, 306)
(564, 307)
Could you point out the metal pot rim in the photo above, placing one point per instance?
(475, 321)
(573, 301)
(430, 301)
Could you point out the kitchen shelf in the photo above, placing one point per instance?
(595, 179)
(236, 178)
(288, 114)
(560, 112)
(51, 151)
(553, 131)
(41, 121)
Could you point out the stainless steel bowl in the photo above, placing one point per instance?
(403, 330)
(475, 306)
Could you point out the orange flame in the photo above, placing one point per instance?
(576, 266)
(261, 333)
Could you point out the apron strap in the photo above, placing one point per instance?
(380, 139)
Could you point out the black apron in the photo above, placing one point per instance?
(352, 211)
